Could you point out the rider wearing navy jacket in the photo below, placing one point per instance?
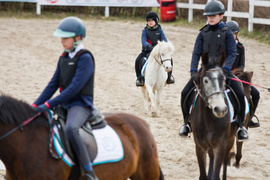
(214, 38)
(150, 36)
(74, 76)
(240, 64)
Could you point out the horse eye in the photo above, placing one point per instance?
(205, 81)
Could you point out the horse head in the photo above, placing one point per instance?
(212, 84)
(162, 53)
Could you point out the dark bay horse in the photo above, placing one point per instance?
(245, 76)
(26, 156)
(210, 121)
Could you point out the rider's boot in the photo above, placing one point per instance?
(185, 128)
(90, 175)
(251, 123)
(139, 81)
(242, 133)
(170, 79)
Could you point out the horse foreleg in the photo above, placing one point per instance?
(238, 156)
(211, 163)
(158, 95)
(146, 100)
(219, 155)
(152, 99)
(201, 156)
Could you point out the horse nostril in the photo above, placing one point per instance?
(216, 109)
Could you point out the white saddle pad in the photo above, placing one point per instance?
(109, 145)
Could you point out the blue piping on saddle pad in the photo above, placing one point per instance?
(143, 68)
(230, 106)
(109, 145)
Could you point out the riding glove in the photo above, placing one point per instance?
(150, 48)
(193, 75)
(42, 108)
(225, 71)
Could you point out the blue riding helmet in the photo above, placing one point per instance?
(70, 27)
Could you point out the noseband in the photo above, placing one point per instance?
(161, 60)
(205, 98)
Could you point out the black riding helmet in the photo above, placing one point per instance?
(152, 15)
(213, 7)
(233, 26)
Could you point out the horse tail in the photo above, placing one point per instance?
(161, 177)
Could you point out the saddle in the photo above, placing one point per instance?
(143, 63)
(95, 121)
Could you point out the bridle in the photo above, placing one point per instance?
(205, 98)
(20, 126)
(161, 61)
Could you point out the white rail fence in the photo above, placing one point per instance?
(229, 13)
(153, 3)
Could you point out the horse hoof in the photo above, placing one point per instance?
(154, 114)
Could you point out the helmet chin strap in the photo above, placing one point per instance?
(75, 44)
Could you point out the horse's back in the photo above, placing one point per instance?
(139, 145)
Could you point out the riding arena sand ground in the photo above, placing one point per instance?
(29, 55)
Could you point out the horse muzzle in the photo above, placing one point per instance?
(168, 68)
(220, 111)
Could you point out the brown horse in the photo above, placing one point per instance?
(245, 76)
(24, 148)
(210, 121)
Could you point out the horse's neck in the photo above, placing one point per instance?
(153, 61)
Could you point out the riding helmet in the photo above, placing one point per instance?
(152, 15)
(213, 7)
(233, 26)
(70, 27)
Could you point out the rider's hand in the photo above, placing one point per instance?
(42, 108)
(193, 75)
(225, 71)
(150, 48)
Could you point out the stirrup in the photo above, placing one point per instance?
(189, 134)
(258, 121)
(241, 128)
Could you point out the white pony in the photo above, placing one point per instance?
(158, 65)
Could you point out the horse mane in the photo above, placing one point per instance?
(163, 47)
(243, 75)
(15, 112)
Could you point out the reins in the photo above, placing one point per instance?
(161, 61)
(20, 126)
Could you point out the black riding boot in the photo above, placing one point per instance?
(185, 127)
(90, 175)
(140, 81)
(251, 123)
(242, 133)
(170, 79)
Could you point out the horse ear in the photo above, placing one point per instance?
(205, 59)
(222, 59)
(249, 75)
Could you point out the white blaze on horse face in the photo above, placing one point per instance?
(214, 91)
(166, 61)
